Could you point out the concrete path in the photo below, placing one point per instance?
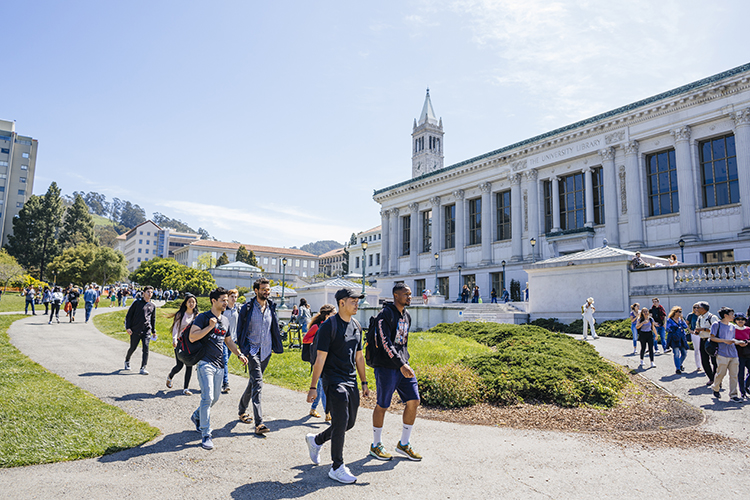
(460, 461)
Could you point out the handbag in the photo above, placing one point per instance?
(67, 307)
(711, 347)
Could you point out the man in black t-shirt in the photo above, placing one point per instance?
(140, 323)
(212, 327)
(338, 360)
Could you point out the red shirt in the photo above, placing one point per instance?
(310, 335)
(742, 333)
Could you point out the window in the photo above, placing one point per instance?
(450, 226)
(273, 261)
(427, 231)
(21, 192)
(22, 179)
(406, 234)
(265, 260)
(24, 167)
(2, 189)
(718, 256)
(370, 262)
(597, 180)
(503, 216)
(25, 155)
(496, 282)
(19, 204)
(377, 259)
(147, 250)
(719, 170)
(661, 171)
(140, 242)
(296, 262)
(470, 280)
(139, 250)
(419, 286)
(3, 163)
(139, 259)
(148, 242)
(141, 233)
(572, 210)
(5, 150)
(475, 221)
(145, 259)
(548, 219)
(443, 285)
(356, 265)
(304, 263)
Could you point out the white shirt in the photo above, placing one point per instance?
(706, 321)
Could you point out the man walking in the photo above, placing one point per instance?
(659, 315)
(232, 314)
(212, 327)
(89, 297)
(30, 295)
(727, 359)
(339, 353)
(259, 335)
(140, 323)
(389, 356)
(703, 328)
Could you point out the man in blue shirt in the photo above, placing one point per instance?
(726, 356)
(89, 297)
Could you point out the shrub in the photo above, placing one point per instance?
(618, 328)
(450, 386)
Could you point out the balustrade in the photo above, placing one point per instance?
(725, 274)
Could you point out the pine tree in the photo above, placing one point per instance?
(78, 226)
(247, 257)
(223, 259)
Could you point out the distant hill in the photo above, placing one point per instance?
(321, 247)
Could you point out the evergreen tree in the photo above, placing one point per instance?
(132, 215)
(97, 203)
(223, 259)
(33, 242)
(253, 261)
(345, 263)
(247, 257)
(78, 226)
(204, 234)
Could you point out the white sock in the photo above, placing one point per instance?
(406, 434)
(377, 435)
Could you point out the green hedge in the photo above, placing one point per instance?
(618, 328)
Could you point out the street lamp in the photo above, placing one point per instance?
(459, 284)
(503, 284)
(682, 250)
(437, 290)
(363, 302)
(283, 282)
(533, 243)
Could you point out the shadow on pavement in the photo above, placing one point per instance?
(170, 443)
(143, 396)
(100, 374)
(236, 427)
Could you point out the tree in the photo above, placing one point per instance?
(206, 261)
(190, 280)
(109, 266)
(132, 215)
(10, 269)
(155, 271)
(353, 239)
(106, 234)
(97, 203)
(33, 242)
(204, 234)
(176, 224)
(247, 257)
(89, 263)
(345, 263)
(223, 259)
(78, 227)
(115, 210)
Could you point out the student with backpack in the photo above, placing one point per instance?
(309, 346)
(212, 328)
(388, 354)
(180, 321)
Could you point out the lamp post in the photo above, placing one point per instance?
(503, 283)
(459, 284)
(533, 244)
(682, 250)
(437, 289)
(363, 302)
(283, 282)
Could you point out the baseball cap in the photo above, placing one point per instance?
(346, 293)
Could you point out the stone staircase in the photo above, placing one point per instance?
(495, 313)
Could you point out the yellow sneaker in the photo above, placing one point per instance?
(328, 417)
(379, 452)
(408, 452)
(314, 413)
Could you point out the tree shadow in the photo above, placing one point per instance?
(169, 444)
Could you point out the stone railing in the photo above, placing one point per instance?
(724, 274)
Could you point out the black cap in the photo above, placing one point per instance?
(740, 316)
(346, 293)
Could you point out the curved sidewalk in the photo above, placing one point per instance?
(461, 461)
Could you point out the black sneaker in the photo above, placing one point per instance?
(678, 372)
(737, 400)
(196, 421)
(717, 395)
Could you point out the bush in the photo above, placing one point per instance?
(204, 303)
(618, 328)
(450, 386)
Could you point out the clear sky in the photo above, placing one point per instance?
(272, 122)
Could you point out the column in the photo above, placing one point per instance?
(633, 191)
(486, 189)
(437, 225)
(384, 245)
(685, 186)
(742, 146)
(460, 226)
(414, 238)
(532, 189)
(516, 218)
(394, 249)
(556, 204)
(609, 178)
(588, 197)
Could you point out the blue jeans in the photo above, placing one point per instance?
(679, 353)
(209, 378)
(321, 397)
(494, 300)
(26, 311)
(89, 306)
(227, 353)
(634, 331)
(661, 332)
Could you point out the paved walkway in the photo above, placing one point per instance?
(461, 461)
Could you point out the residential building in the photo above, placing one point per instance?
(671, 168)
(332, 262)
(148, 240)
(17, 167)
(369, 260)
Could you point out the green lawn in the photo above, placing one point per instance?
(45, 419)
(14, 302)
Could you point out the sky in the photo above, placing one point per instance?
(271, 123)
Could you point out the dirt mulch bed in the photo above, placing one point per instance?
(646, 415)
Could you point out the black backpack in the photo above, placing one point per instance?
(371, 339)
(189, 352)
(314, 346)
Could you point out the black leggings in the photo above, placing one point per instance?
(647, 340)
(177, 367)
(54, 311)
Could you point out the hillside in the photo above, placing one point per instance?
(321, 247)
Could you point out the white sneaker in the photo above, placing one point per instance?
(653, 365)
(641, 363)
(127, 365)
(596, 337)
(144, 371)
(585, 339)
(314, 450)
(342, 475)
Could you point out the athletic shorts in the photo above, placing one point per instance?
(388, 381)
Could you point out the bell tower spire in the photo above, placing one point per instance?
(427, 141)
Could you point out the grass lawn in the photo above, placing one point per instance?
(14, 302)
(45, 419)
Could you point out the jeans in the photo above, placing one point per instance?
(177, 367)
(209, 378)
(46, 307)
(661, 332)
(679, 354)
(724, 365)
(743, 381)
(89, 306)
(134, 339)
(494, 300)
(343, 402)
(321, 397)
(647, 340)
(708, 362)
(255, 369)
(227, 353)
(634, 331)
(26, 310)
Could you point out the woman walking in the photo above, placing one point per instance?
(742, 332)
(646, 328)
(676, 326)
(72, 298)
(46, 298)
(304, 315)
(180, 320)
(634, 310)
(56, 298)
(588, 310)
(326, 310)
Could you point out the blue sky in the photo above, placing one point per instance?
(272, 122)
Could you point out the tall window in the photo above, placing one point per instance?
(419, 287)
(719, 170)
(548, 220)
(356, 260)
(450, 226)
(406, 234)
(475, 221)
(503, 216)
(444, 286)
(597, 178)
(427, 230)
(572, 209)
(661, 170)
